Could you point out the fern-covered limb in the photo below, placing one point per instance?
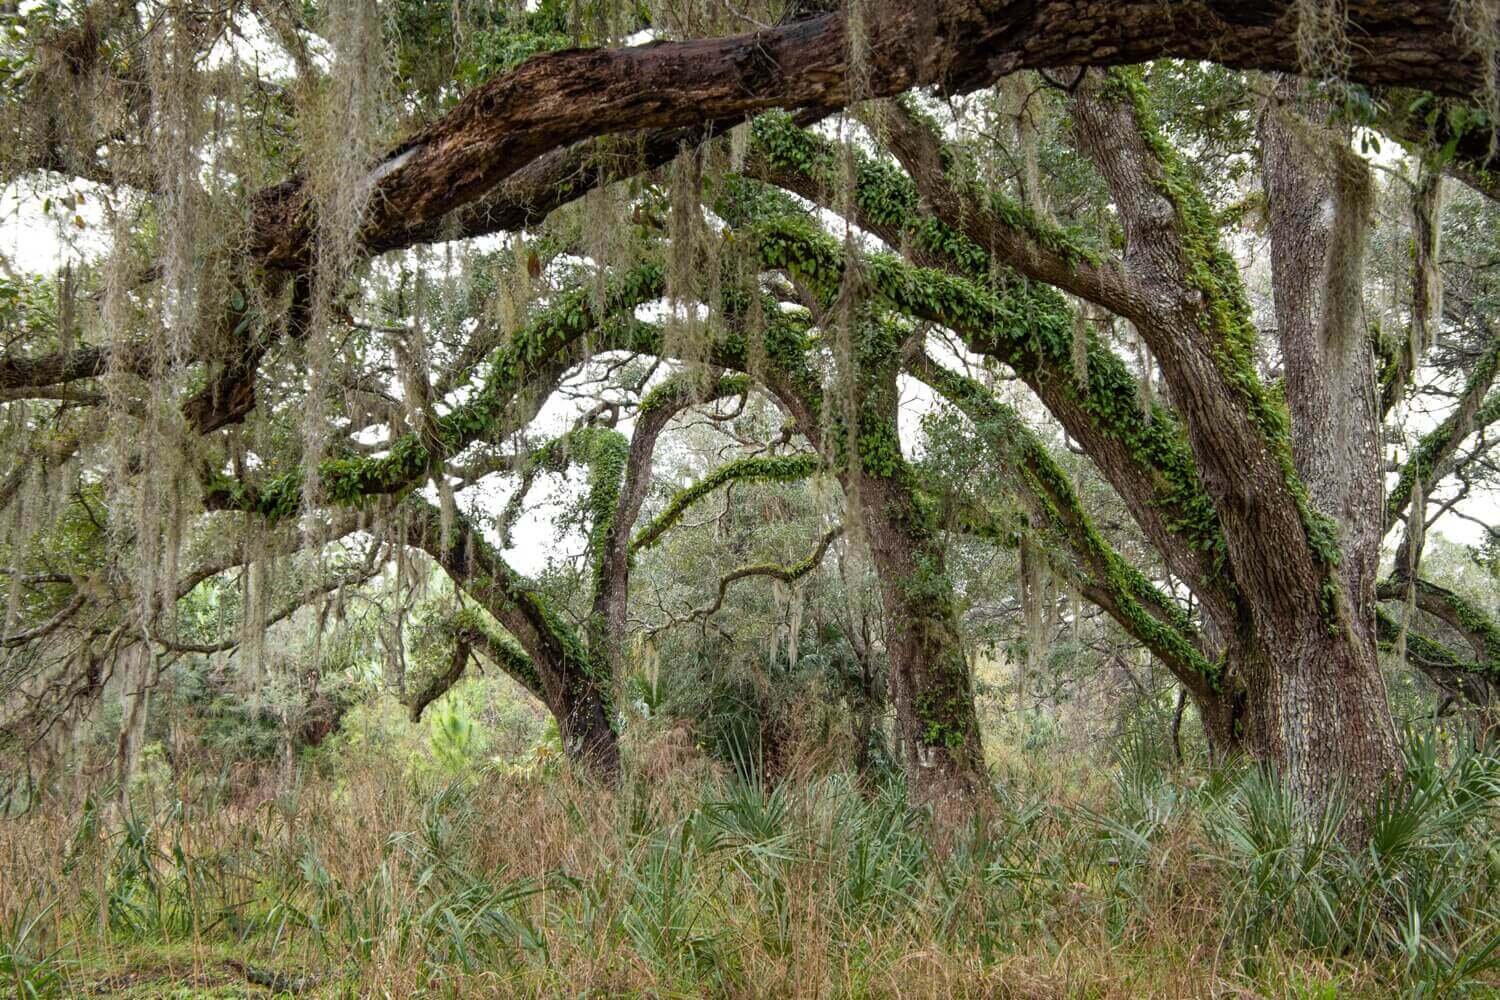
(1197, 322)
(1104, 576)
(763, 468)
(536, 348)
(1145, 456)
(1458, 612)
(470, 632)
(1013, 234)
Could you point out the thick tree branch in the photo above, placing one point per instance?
(1009, 231)
(1198, 325)
(556, 99)
(1105, 576)
(1459, 613)
(1143, 454)
(470, 633)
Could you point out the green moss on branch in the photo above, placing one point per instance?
(760, 468)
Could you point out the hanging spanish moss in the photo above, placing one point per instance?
(605, 22)
(508, 306)
(605, 234)
(180, 127)
(686, 336)
(1427, 280)
(847, 390)
(253, 614)
(856, 20)
(1322, 37)
(1477, 24)
(1412, 545)
(705, 18)
(342, 132)
(18, 534)
(739, 146)
(1019, 103)
(1080, 348)
(1033, 594)
(1146, 382)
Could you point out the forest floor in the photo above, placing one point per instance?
(372, 873)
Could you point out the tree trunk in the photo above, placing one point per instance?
(929, 674)
(1318, 716)
(588, 736)
(1222, 716)
(1318, 710)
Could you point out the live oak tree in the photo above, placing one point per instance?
(818, 204)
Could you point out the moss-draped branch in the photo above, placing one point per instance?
(1145, 454)
(537, 345)
(1028, 328)
(760, 468)
(1458, 612)
(1045, 490)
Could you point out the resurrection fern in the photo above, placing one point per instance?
(787, 468)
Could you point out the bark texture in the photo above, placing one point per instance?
(930, 682)
(1319, 709)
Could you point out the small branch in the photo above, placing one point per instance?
(46, 628)
(785, 573)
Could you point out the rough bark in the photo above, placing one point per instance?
(930, 681)
(1192, 318)
(1300, 507)
(1318, 705)
(556, 99)
(1115, 438)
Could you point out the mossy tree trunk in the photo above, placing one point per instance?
(930, 683)
(1296, 490)
(1321, 711)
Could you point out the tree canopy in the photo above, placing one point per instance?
(1195, 302)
